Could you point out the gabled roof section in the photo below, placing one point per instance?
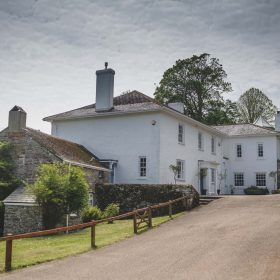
(65, 150)
(20, 196)
(129, 102)
(245, 130)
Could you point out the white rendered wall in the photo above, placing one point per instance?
(171, 150)
(123, 138)
(249, 164)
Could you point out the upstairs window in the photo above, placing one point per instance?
(239, 151)
(213, 145)
(181, 138)
(181, 169)
(260, 150)
(200, 141)
(260, 179)
(142, 166)
(238, 179)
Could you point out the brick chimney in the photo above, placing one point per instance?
(104, 89)
(17, 119)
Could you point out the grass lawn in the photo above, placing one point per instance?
(36, 250)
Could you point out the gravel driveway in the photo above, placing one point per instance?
(231, 238)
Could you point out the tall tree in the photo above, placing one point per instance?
(254, 103)
(198, 82)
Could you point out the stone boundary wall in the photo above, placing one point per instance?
(22, 219)
(131, 196)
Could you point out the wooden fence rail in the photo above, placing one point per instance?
(140, 216)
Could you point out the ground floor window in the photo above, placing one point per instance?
(181, 169)
(260, 179)
(238, 179)
(213, 175)
(142, 166)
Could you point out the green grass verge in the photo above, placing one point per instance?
(36, 250)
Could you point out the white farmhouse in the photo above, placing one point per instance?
(139, 139)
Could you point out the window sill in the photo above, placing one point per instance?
(181, 180)
(181, 143)
(239, 159)
(201, 150)
(142, 178)
(260, 158)
(213, 153)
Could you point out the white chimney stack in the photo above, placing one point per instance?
(177, 106)
(17, 119)
(104, 89)
(277, 121)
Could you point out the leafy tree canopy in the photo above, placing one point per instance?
(59, 189)
(253, 104)
(8, 182)
(198, 82)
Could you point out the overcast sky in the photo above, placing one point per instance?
(50, 49)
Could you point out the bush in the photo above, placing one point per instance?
(275, 191)
(59, 189)
(91, 213)
(111, 210)
(253, 190)
(2, 211)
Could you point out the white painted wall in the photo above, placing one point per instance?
(171, 150)
(249, 164)
(123, 138)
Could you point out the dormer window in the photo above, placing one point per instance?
(181, 136)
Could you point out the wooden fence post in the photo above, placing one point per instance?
(9, 248)
(93, 245)
(170, 209)
(150, 217)
(134, 222)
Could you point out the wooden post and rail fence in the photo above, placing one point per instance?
(141, 218)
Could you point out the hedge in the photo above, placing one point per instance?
(256, 191)
(131, 196)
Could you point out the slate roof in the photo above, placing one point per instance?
(130, 102)
(20, 196)
(245, 129)
(63, 149)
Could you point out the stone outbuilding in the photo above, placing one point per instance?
(31, 148)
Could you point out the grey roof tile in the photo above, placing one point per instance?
(20, 195)
(245, 129)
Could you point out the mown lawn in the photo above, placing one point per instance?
(36, 250)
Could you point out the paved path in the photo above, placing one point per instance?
(229, 239)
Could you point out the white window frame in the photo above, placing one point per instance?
(213, 145)
(236, 151)
(200, 141)
(265, 179)
(258, 154)
(235, 179)
(180, 175)
(140, 167)
(181, 134)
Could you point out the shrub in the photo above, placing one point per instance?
(253, 190)
(59, 189)
(111, 210)
(91, 213)
(275, 191)
(2, 211)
